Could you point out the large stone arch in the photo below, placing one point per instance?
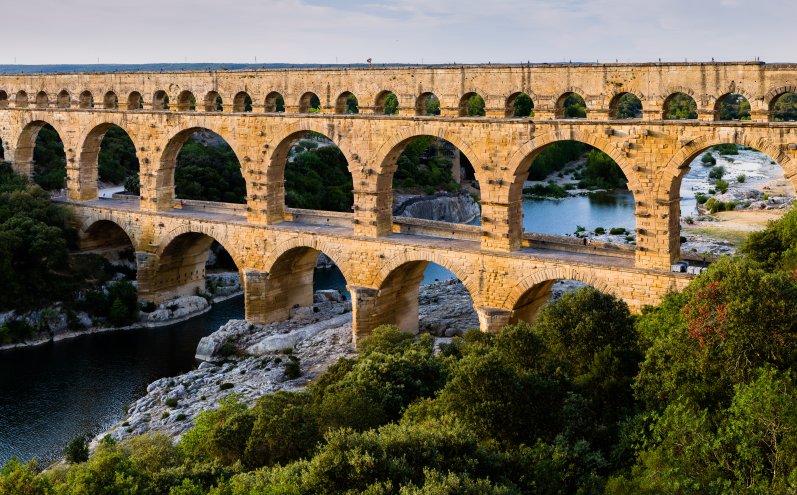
(212, 231)
(333, 251)
(86, 224)
(678, 165)
(82, 184)
(164, 172)
(26, 141)
(469, 279)
(277, 160)
(520, 162)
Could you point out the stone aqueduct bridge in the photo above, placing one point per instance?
(507, 272)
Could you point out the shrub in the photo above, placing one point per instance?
(292, 368)
(701, 198)
(721, 186)
(77, 451)
(717, 172)
(708, 160)
(171, 402)
(617, 231)
(226, 386)
(600, 230)
(726, 149)
(180, 417)
(741, 178)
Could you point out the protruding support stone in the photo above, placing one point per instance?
(255, 302)
(373, 213)
(491, 320)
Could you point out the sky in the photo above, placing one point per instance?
(395, 31)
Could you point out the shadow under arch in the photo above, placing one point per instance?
(399, 283)
(165, 173)
(179, 265)
(626, 105)
(289, 280)
(103, 234)
(532, 292)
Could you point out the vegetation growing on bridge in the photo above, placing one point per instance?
(696, 395)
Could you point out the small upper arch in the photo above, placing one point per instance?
(3, 99)
(471, 105)
(309, 103)
(519, 105)
(213, 102)
(732, 106)
(242, 102)
(347, 103)
(625, 105)
(21, 100)
(679, 105)
(64, 99)
(274, 102)
(186, 101)
(86, 100)
(427, 104)
(571, 105)
(42, 100)
(386, 103)
(135, 101)
(160, 100)
(782, 104)
(110, 100)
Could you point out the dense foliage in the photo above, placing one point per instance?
(680, 106)
(318, 178)
(785, 108)
(49, 159)
(696, 396)
(209, 171)
(117, 159)
(424, 167)
(734, 107)
(628, 107)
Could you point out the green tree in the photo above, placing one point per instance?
(524, 107)
(49, 159)
(391, 104)
(680, 106)
(78, 450)
(474, 107)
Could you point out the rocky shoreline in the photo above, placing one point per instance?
(54, 322)
(252, 360)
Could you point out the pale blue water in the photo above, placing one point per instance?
(561, 217)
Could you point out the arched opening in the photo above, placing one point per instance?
(528, 306)
(386, 103)
(303, 284)
(86, 100)
(420, 296)
(578, 194)
(160, 100)
(275, 103)
(242, 102)
(110, 241)
(427, 104)
(434, 180)
(471, 105)
(108, 162)
(64, 99)
(347, 103)
(135, 101)
(192, 264)
(42, 100)
(200, 166)
(571, 106)
(42, 143)
(679, 106)
(783, 108)
(309, 103)
(21, 99)
(110, 100)
(3, 99)
(186, 101)
(213, 102)
(625, 106)
(316, 174)
(732, 106)
(726, 191)
(519, 105)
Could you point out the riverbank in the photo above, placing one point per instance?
(54, 324)
(252, 360)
